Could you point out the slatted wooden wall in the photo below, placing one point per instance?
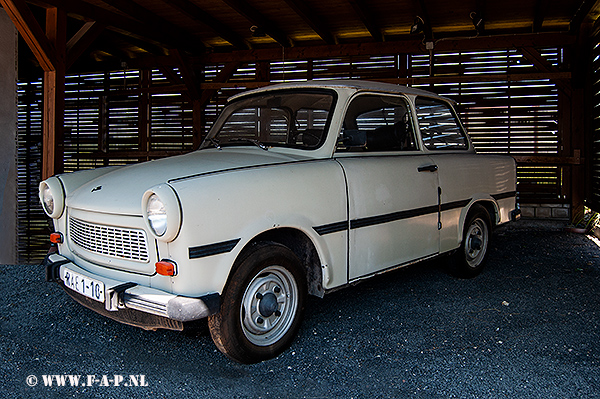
(131, 116)
(593, 194)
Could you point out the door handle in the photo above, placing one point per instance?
(428, 168)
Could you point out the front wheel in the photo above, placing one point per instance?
(470, 258)
(262, 305)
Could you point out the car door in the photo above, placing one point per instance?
(392, 186)
(460, 174)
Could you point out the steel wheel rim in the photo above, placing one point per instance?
(269, 306)
(476, 243)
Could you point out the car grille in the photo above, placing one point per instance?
(112, 241)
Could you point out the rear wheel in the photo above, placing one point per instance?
(262, 305)
(470, 259)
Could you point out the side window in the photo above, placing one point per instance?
(377, 123)
(439, 126)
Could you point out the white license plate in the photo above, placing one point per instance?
(84, 285)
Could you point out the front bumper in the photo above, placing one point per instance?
(132, 304)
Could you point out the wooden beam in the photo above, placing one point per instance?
(32, 32)
(113, 21)
(256, 18)
(362, 9)
(424, 14)
(143, 114)
(142, 14)
(548, 160)
(82, 40)
(54, 96)
(197, 14)
(312, 19)
(582, 14)
(543, 65)
(539, 14)
(188, 74)
(413, 46)
(222, 77)
(496, 77)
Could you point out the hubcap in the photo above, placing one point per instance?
(269, 306)
(476, 244)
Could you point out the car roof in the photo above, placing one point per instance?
(352, 84)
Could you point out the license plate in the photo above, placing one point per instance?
(84, 285)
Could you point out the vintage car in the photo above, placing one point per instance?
(298, 189)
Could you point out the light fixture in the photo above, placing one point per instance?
(478, 22)
(257, 31)
(418, 26)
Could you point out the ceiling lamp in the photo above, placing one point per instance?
(418, 26)
(478, 22)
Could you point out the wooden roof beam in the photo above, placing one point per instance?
(134, 10)
(256, 18)
(312, 19)
(32, 33)
(414, 46)
(424, 14)
(197, 14)
(113, 21)
(192, 83)
(582, 14)
(368, 19)
(82, 40)
(539, 14)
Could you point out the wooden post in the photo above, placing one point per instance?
(49, 49)
(54, 96)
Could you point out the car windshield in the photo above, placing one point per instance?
(286, 118)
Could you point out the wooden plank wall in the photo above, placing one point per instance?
(128, 116)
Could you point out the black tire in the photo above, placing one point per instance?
(262, 305)
(470, 259)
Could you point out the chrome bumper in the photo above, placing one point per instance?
(119, 295)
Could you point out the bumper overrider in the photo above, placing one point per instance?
(132, 304)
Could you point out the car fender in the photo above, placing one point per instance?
(216, 227)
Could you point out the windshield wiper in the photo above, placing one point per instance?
(253, 141)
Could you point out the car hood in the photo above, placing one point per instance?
(120, 191)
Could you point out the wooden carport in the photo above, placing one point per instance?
(523, 73)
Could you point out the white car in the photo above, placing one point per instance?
(298, 188)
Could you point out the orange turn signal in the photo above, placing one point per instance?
(165, 268)
(56, 238)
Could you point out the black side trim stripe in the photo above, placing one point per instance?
(213, 249)
(454, 205)
(331, 228)
(391, 217)
(509, 194)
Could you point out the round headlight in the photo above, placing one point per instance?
(46, 198)
(52, 197)
(162, 212)
(157, 215)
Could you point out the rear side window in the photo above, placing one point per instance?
(439, 126)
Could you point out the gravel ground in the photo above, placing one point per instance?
(528, 326)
